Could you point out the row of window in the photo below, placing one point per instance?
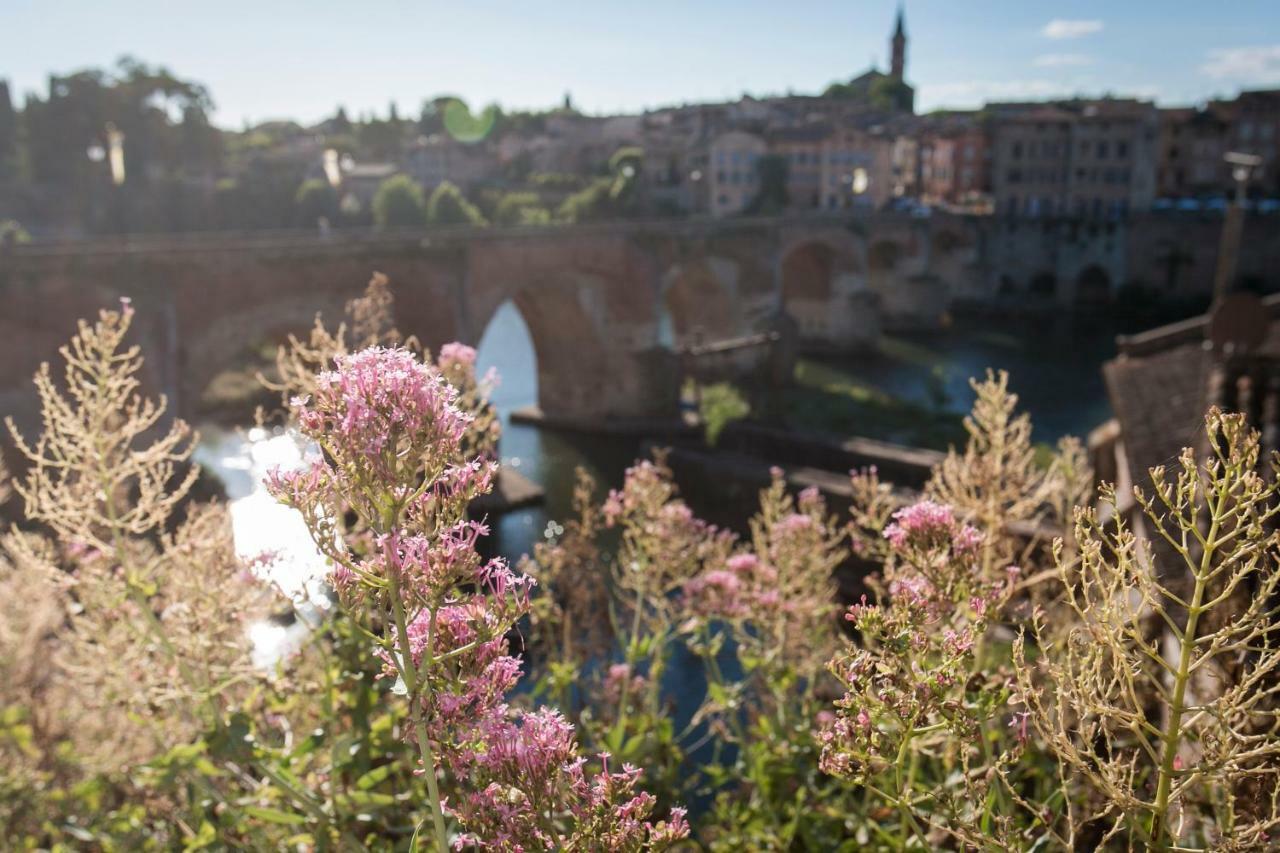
(1110, 177)
(1100, 149)
(735, 177)
(1096, 207)
(1246, 130)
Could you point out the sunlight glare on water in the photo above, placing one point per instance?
(261, 525)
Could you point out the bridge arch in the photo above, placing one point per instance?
(230, 348)
(818, 280)
(698, 303)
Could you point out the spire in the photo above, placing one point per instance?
(898, 47)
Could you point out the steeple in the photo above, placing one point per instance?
(898, 46)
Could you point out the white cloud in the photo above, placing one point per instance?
(1062, 60)
(1258, 65)
(1061, 28)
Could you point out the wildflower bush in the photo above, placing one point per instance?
(1030, 668)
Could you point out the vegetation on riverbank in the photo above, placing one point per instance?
(1027, 673)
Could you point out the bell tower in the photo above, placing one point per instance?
(898, 45)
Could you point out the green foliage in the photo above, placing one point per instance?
(589, 204)
(12, 232)
(315, 200)
(771, 197)
(448, 206)
(719, 405)
(398, 203)
(888, 93)
(608, 197)
(521, 208)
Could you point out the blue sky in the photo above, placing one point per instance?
(284, 58)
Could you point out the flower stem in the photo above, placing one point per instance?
(409, 671)
(1173, 729)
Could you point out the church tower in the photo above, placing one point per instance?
(899, 49)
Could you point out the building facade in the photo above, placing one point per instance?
(1093, 159)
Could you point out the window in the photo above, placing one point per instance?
(1017, 150)
(1015, 176)
(1122, 150)
(1103, 149)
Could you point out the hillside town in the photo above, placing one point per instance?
(859, 145)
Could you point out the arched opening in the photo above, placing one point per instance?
(1093, 286)
(219, 361)
(695, 307)
(807, 273)
(507, 347)
(1043, 284)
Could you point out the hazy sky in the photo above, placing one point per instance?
(285, 58)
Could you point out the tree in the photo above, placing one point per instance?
(520, 208)
(448, 206)
(771, 198)
(398, 203)
(315, 200)
(341, 124)
(8, 133)
(608, 197)
(889, 93)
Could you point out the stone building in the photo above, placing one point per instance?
(1192, 144)
(1089, 159)
(732, 181)
(1255, 129)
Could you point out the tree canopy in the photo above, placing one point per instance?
(398, 203)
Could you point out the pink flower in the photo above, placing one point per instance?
(456, 353)
(923, 521)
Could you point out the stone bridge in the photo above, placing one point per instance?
(604, 304)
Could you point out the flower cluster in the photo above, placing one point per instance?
(916, 653)
(928, 525)
(530, 783)
(391, 431)
(734, 592)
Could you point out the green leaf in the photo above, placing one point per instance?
(202, 839)
(374, 777)
(274, 815)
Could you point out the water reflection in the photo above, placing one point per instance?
(262, 526)
(547, 458)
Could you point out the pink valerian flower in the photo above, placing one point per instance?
(523, 766)
(621, 677)
(1019, 724)
(381, 409)
(796, 522)
(927, 525)
(735, 591)
(455, 356)
(391, 434)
